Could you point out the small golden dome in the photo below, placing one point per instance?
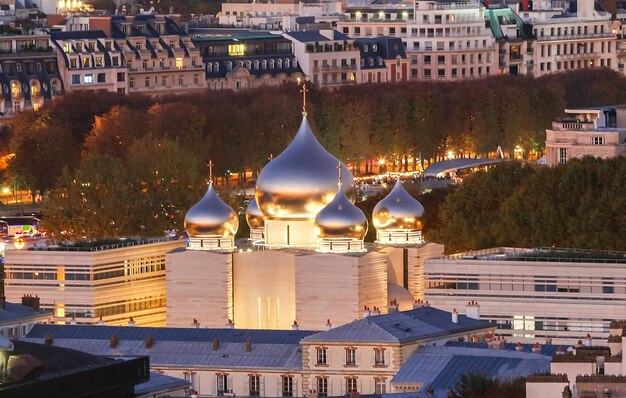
(398, 211)
(300, 181)
(254, 217)
(211, 217)
(340, 219)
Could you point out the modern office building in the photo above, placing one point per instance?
(598, 132)
(533, 294)
(109, 282)
(242, 59)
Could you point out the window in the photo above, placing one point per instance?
(98, 62)
(350, 356)
(73, 63)
(75, 79)
(115, 61)
(108, 45)
(441, 59)
(181, 80)
(287, 386)
(102, 78)
(179, 63)
(88, 79)
(163, 81)
(562, 155)
(147, 82)
(427, 73)
(236, 50)
(145, 64)
(441, 73)
(85, 62)
(379, 356)
(131, 83)
(351, 385)
(255, 385)
(195, 79)
(322, 356)
(597, 140)
(322, 387)
(380, 386)
(427, 59)
(222, 384)
(121, 77)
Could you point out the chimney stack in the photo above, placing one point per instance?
(149, 341)
(328, 324)
(559, 350)
(366, 311)
(131, 322)
(519, 346)
(455, 316)
(114, 341)
(73, 321)
(230, 324)
(195, 324)
(48, 340)
(393, 306)
(375, 311)
(536, 348)
(472, 310)
(216, 344)
(29, 301)
(248, 345)
(589, 341)
(418, 304)
(295, 326)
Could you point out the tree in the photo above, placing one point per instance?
(113, 132)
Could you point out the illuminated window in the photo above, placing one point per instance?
(16, 91)
(35, 90)
(236, 49)
(85, 62)
(98, 62)
(88, 79)
(179, 63)
(67, 47)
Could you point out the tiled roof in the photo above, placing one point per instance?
(418, 324)
(270, 349)
(442, 367)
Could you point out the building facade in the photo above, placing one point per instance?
(16, 320)
(383, 59)
(535, 294)
(598, 132)
(100, 282)
(29, 73)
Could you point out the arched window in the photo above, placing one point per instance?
(16, 90)
(216, 67)
(264, 64)
(287, 63)
(229, 66)
(295, 62)
(35, 88)
(279, 64)
(55, 85)
(256, 65)
(248, 65)
(209, 67)
(271, 64)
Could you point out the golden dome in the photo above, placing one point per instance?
(341, 219)
(300, 181)
(211, 217)
(254, 217)
(398, 211)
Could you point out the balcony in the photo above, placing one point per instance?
(334, 68)
(572, 125)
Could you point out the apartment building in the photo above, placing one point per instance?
(383, 59)
(91, 61)
(443, 40)
(159, 55)
(29, 73)
(241, 59)
(514, 41)
(598, 132)
(87, 283)
(533, 294)
(327, 57)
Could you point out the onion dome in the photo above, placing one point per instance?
(341, 219)
(211, 217)
(398, 211)
(300, 181)
(254, 217)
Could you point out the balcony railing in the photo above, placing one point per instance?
(334, 68)
(573, 125)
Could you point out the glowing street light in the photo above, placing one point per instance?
(450, 154)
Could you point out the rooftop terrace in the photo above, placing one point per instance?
(98, 245)
(543, 254)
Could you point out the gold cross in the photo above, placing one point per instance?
(304, 90)
(210, 171)
(339, 170)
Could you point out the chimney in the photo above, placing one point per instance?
(216, 344)
(149, 341)
(519, 346)
(248, 345)
(73, 321)
(114, 341)
(230, 324)
(589, 341)
(328, 324)
(579, 344)
(393, 306)
(30, 301)
(455, 316)
(418, 304)
(376, 311)
(472, 310)
(548, 340)
(131, 321)
(536, 348)
(295, 326)
(100, 321)
(366, 311)
(195, 324)
(48, 340)
(559, 350)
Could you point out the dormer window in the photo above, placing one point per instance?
(279, 64)
(295, 62)
(91, 46)
(287, 63)
(264, 64)
(217, 67)
(209, 67)
(248, 65)
(229, 66)
(141, 28)
(108, 45)
(374, 47)
(365, 48)
(271, 64)
(256, 65)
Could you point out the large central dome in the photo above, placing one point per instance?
(300, 181)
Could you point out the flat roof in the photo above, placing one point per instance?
(99, 245)
(543, 254)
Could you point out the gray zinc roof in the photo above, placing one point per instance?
(400, 327)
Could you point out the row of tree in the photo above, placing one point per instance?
(579, 204)
(239, 130)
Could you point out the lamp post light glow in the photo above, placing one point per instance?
(450, 154)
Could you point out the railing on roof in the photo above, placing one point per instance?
(97, 247)
(544, 254)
